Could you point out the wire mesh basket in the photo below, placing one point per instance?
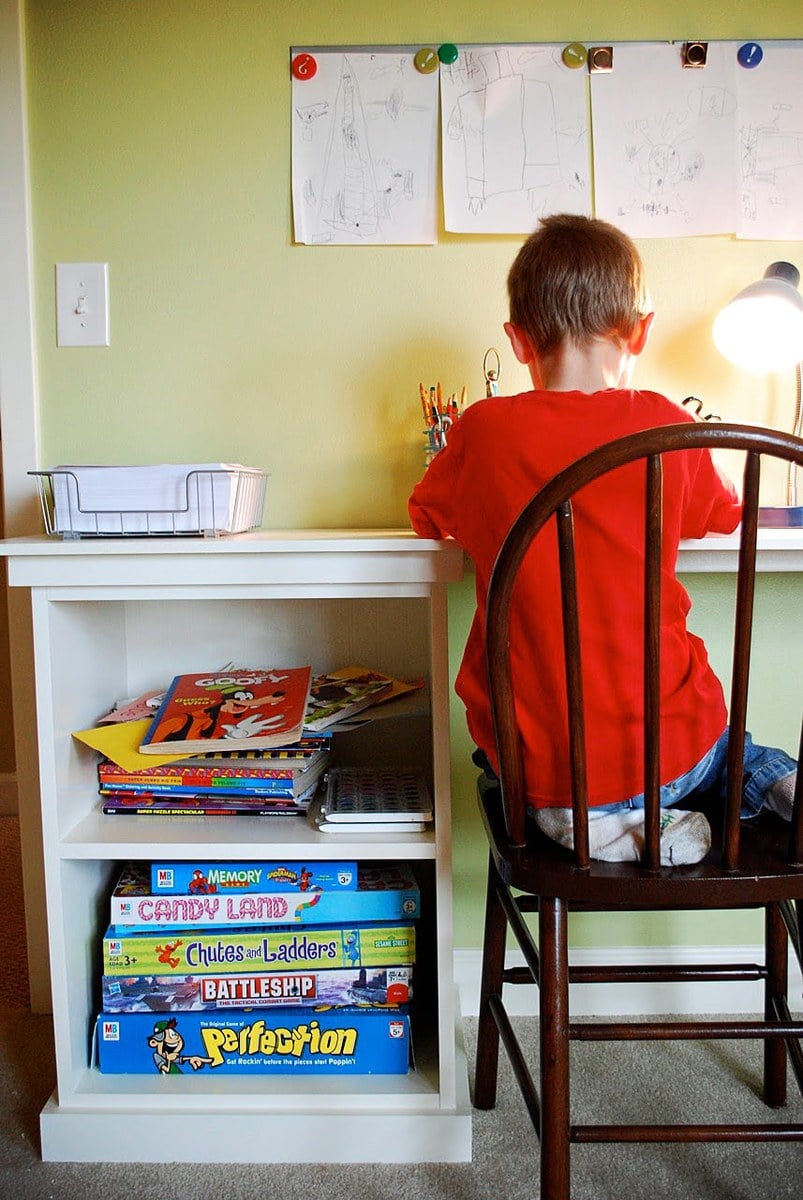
(159, 501)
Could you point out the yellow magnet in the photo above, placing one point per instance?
(574, 55)
(426, 60)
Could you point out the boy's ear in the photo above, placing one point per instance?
(638, 338)
(522, 346)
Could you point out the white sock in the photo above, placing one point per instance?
(619, 837)
(780, 797)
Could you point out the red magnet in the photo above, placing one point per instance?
(304, 66)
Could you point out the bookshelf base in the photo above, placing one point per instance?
(241, 1136)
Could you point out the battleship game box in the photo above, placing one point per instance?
(253, 949)
(183, 993)
(281, 1041)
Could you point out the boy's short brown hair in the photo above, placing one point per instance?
(576, 278)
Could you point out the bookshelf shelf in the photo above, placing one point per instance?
(113, 619)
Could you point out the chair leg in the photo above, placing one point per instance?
(554, 1039)
(777, 950)
(493, 964)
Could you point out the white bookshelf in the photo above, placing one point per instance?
(114, 617)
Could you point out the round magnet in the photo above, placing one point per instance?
(749, 55)
(426, 60)
(574, 55)
(304, 66)
(447, 53)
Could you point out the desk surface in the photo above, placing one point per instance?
(778, 549)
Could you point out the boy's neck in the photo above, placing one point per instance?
(596, 365)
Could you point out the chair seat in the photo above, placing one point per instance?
(547, 869)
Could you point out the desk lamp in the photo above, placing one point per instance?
(761, 329)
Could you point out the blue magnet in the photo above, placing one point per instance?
(749, 55)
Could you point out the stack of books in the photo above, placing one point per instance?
(253, 742)
(258, 967)
(250, 782)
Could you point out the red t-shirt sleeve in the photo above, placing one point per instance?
(712, 505)
(431, 506)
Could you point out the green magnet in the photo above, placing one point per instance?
(448, 53)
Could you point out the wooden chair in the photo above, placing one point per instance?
(755, 864)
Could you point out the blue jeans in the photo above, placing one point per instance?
(763, 767)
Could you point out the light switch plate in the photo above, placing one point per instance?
(82, 304)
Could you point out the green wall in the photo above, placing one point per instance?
(160, 143)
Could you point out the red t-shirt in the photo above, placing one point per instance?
(500, 452)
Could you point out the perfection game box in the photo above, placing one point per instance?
(332, 1041)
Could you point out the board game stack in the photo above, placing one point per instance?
(258, 967)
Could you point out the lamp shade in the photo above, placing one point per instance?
(761, 329)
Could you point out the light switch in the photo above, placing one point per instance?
(82, 304)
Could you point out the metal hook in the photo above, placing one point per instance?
(490, 373)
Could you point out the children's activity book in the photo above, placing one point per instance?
(340, 695)
(230, 710)
(383, 893)
(203, 779)
(274, 762)
(128, 804)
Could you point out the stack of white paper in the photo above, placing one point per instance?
(167, 498)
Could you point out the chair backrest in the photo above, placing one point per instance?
(555, 499)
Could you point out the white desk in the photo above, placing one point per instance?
(777, 550)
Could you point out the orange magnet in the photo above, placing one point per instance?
(600, 58)
(304, 66)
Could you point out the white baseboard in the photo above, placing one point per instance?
(8, 795)
(634, 999)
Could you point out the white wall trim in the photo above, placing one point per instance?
(634, 999)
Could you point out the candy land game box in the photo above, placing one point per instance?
(332, 1041)
(383, 893)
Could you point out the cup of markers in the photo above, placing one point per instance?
(439, 416)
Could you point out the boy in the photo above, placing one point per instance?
(579, 318)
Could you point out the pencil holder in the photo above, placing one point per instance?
(435, 440)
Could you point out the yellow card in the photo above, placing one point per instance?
(121, 741)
